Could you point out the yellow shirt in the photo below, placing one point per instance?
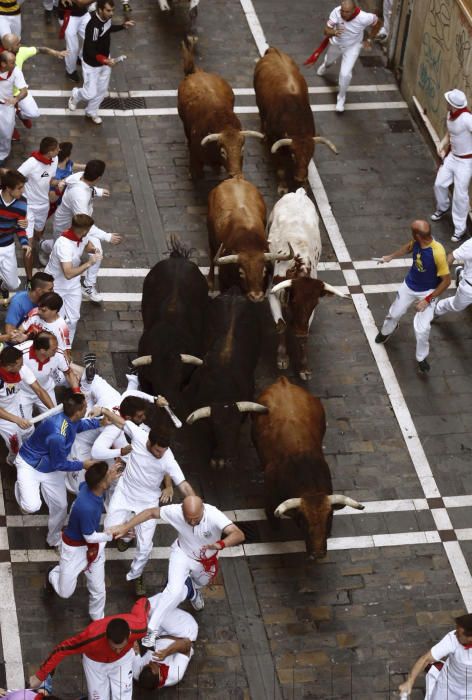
(24, 52)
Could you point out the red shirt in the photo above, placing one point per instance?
(92, 641)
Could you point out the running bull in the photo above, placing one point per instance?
(286, 117)
(288, 440)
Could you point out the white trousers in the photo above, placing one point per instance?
(7, 124)
(387, 14)
(8, 266)
(73, 562)
(30, 400)
(458, 172)
(349, 58)
(180, 566)
(70, 310)
(177, 623)
(94, 89)
(28, 489)
(11, 433)
(37, 218)
(10, 25)
(460, 301)
(421, 322)
(74, 32)
(112, 681)
(120, 509)
(28, 108)
(81, 449)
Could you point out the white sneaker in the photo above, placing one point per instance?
(322, 69)
(10, 459)
(457, 237)
(93, 118)
(197, 601)
(381, 34)
(72, 104)
(92, 294)
(340, 103)
(149, 640)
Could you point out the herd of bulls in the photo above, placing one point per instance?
(201, 352)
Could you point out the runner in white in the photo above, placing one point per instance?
(345, 27)
(66, 267)
(203, 532)
(11, 77)
(46, 317)
(14, 427)
(48, 365)
(456, 150)
(78, 198)
(150, 462)
(167, 663)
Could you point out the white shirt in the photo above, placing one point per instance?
(142, 478)
(177, 663)
(451, 682)
(464, 253)
(42, 371)
(191, 539)
(58, 328)
(65, 250)
(7, 85)
(9, 390)
(353, 30)
(39, 179)
(78, 199)
(460, 134)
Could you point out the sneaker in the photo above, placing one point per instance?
(94, 118)
(72, 104)
(197, 601)
(149, 640)
(459, 271)
(438, 214)
(139, 587)
(48, 16)
(75, 77)
(457, 237)
(28, 123)
(90, 370)
(131, 368)
(340, 104)
(43, 256)
(423, 366)
(92, 294)
(190, 588)
(126, 7)
(381, 35)
(16, 135)
(47, 586)
(4, 292)
(322, 69)
(10, 459)
(381, 338)
(123, 545)
(27, 285)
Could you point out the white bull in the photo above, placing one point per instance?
(296, 290)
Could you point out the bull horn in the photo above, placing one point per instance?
(287, 505)
(204, 412)
(279, 143)
(327, 142)
(251, 407)
(285, 284)
(279, 257)
(337, 499)
(249, 132)
(226, 260)
(335, 290)
(142, 361)
(190, 359)
(209, 139)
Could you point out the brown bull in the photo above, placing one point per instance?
(205, 104)
(289, 442)
(237, 224)
(286, 117)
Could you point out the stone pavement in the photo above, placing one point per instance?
(275, 625)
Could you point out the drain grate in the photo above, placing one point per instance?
(372, 61)
(123, 103)
(400, 126)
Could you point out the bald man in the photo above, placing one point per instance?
(427, 279)
(193, 563)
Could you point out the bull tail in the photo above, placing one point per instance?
(177, 249)
(188, 57)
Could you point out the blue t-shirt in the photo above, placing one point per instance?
(84, 518)
(62, 173)
(429, 265)
(19, 308)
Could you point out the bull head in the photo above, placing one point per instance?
(243, 407)
(316, 513)
(301, 152)
(230, 142)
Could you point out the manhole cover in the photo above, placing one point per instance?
(372, 61)
(400, 126)
(123, 103)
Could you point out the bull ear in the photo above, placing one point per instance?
(204, 412)
(251, 407)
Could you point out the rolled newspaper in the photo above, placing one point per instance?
(47, 414)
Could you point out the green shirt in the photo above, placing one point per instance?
(24, 52)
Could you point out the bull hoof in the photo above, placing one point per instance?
(283, 362)
(305, 374)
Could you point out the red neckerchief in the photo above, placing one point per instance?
(33, 356)
(458, 112)
(163, 673)
(467, 646)
(42, 159)
(210, 564)
(8, 74)
(9, 377)
(70, 235)
(355, 12)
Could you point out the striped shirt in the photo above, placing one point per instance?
(9, 7)
(10, 215)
